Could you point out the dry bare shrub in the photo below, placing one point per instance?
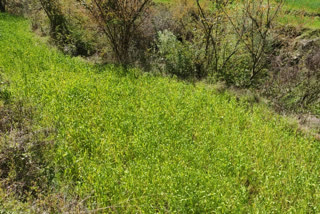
(253, 29)
(295, 75)
(119, 21)
(24, 164)
(183, 13)
(220, 40)
(19, 7)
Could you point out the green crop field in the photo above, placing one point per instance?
(137, 143)
(307, 5)
(301, 13)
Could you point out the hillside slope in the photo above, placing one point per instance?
(138, 143)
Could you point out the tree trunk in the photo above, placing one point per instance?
(58, 24)
(2, 6)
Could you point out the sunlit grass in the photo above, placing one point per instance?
(300, 21)
(305, 5)
(301, 14)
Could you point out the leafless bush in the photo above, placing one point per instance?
(219, 40)
(119, 20)
(253, 29)
(23, 161)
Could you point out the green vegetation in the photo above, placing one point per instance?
(302, 13)
(306, 5)
(301, 21)
(133, 142)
